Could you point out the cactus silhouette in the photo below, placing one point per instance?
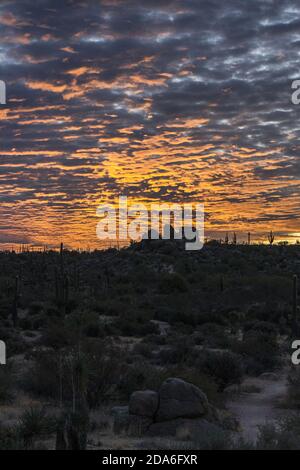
(15, 303)
(295, 303)
(61, 283)
(271, 238)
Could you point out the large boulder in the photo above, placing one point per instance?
(143, 403)
(180, 399)
(178, 408)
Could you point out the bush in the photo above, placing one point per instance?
(6, 381)
(180, 351)
(262, 327)
(35, 423)
(260, 350)
(42, 379)
(217, 439)
(133, 324)
(225, 368)
(143, 349)
(35, 308)
(141, 376)
(10, 439)
(213, 335)
(103, 364)
(282, 435)
(25, 324)
(293, 395)
(172, 282)
(51, 375)
(92, 328)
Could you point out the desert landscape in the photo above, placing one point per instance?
(150, 347)
(149, 229)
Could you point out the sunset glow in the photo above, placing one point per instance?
(156, 101)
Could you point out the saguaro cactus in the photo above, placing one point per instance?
(15, 303)
(249, 238)
(295, 303)
(271, 237)
(71, 432)
(221, 283)
(61, 435)
(61, 253)
(77, 428)
(61, 283)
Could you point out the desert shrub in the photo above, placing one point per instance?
(172, 282)
(51, 374)
(213, 335)
(225, 367)
(92, 327)
(25, 323)
(104, 364)
(143, 349)
(35, 308)
(170, 355)
(38, 322)
(133, 324)
(235, 317)
(10, 438)
(110, 306)
(34, 423)
(5, 332)
(158, 340)
(81, 323)
(72, 305)
(215, 317)
(6, 383)
(16, 344)
(93, 330)
(262, 327)
(281, 435)
(42, 379)
(52, 311)
(177, 311)
(179, 351)
(293, 395)
(260, 352)
(271, 289)
(56, 335)
(213, 439)
(198, 338)
(141, 376)
(185, 317)
(270, 310)
(63, 332)
(163, 313)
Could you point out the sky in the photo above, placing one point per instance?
(161, 101)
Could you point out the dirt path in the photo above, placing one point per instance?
(255, 409)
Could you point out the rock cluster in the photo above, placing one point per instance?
(178, 408)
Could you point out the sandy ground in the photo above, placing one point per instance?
(258, 408)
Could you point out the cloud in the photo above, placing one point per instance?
(171, 100)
